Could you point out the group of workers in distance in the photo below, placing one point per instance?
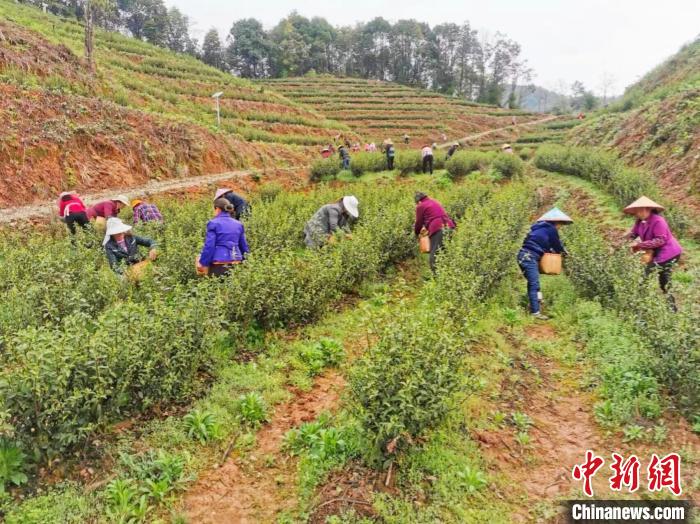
(426, 151)
(225, 243)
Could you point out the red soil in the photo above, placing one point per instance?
(240, 490)
(51, 142)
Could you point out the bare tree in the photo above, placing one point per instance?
(607, 84)
(94, 10)
(90, 35)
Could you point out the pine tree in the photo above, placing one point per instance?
(212, 51)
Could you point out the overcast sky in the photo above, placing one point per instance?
(563, 40)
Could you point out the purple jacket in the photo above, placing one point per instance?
(225, 241)
(431, 215)
(655, 234)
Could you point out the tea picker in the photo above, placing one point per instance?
(541, 253)
(431, 221)
(101, 212)
(660, 249)
(240, 204)
(225, 244)
(122, 249)
(329, 219)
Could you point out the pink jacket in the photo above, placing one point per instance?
(431, 215)
(655, 234)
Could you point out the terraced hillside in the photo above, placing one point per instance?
(378, 110)
(146, 113)
(657, 125)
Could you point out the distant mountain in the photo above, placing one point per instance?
(538, 99)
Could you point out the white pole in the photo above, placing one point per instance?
(218, 109)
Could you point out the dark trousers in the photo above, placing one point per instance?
(219, 270)
(79, 218)
(390, 163)
(665, 269)
(346, 162)
(428, 163)
(436, 241)
(530, 266)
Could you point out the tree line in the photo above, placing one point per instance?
(449, 58)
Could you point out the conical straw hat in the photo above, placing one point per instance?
(555, 215)
(643, 202)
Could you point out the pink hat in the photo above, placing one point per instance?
(221, 192)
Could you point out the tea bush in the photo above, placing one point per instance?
(482, 249)
(617, 280)
(325, 168)
(103, 356)
(367, 162)
(610, 174)
(507, 166)
(404, 384)
(464, 162)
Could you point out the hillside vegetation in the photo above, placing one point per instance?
(656, 124)
(147, 113)
(378, 110)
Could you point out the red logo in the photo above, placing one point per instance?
(625, 473)
(665, 473)
(662, 473)
(587, 470)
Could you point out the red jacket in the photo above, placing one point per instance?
(431, 215)
(74, 205)
(106, 209)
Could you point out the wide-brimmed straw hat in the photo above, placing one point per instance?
(350, 203)
(388, 142)
(115, 226)
(643, 202)
(221, 192)
(506, 146)
(556, 215)
(122, 199)
(136, 202)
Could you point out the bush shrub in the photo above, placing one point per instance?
(464, 162)
(118, 349)
(367, 162)
(617, 280)
(508, 166)
(325, 168)
(525, 153)
(608, 172)
(404, 385)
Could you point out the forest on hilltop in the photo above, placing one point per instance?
(449, 58)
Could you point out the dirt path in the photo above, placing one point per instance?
(255, 487)
(48, 208)
(563, 429)
(490, 131)
(258, 485)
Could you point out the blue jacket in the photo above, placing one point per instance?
(238, 202)
(543, 238)
(225, 240)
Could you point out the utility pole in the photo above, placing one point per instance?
(89, 36)
(217, 96)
